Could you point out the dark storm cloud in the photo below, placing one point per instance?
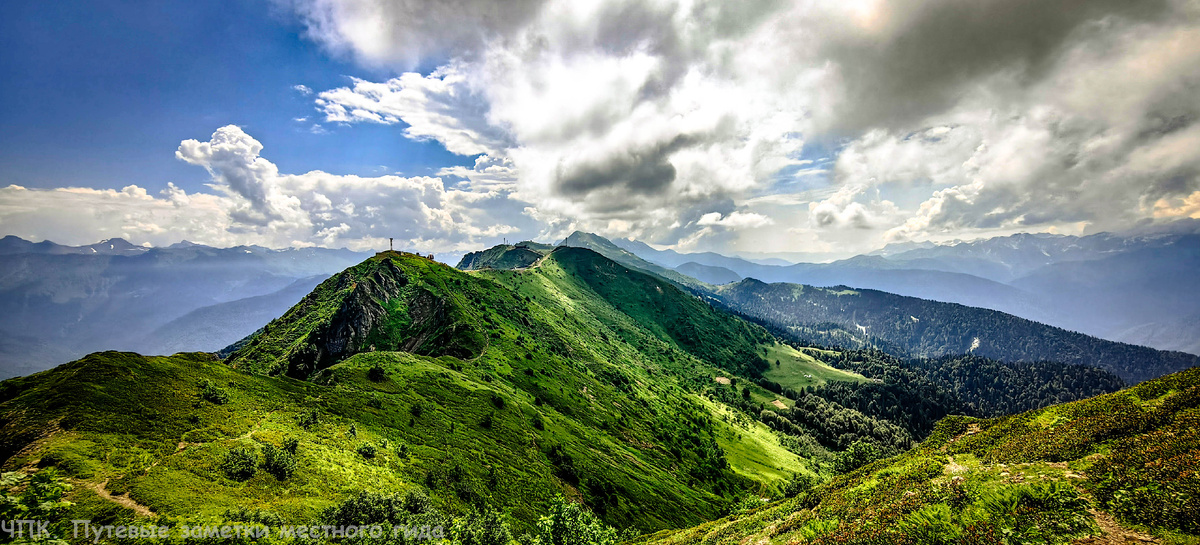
(640, 171)
(925, 52)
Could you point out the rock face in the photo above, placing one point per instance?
(387, 303)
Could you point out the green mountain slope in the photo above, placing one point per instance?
(606, 248)
(577, 377)
(504, 256)
(499, 388)
(929, 328)
(1047, 476)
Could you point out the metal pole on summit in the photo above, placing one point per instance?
(390, 247)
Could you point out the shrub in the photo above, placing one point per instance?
(240, 464)
(254, 516)
(367, 451)
(859, 454)
(482, 527)
(309, 419)
(932, 525)
(799, 484)
(389, 509)
(213, 394)
(569, 523)
(39, 496)
(279, 461)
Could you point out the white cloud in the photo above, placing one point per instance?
(735, 220)
(646, 118)
(302, 89)
(440, 106)
(253, 203)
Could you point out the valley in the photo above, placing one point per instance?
(497, 392)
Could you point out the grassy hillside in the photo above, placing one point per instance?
(503, 256)
(492, 391)
(605, 247)
(792, 368)
(930, 328)
(506, 388)
(1047, 476)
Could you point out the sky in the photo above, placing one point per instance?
(798, 127)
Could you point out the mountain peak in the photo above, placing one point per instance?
(393, 301)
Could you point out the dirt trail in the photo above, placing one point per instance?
(1114, 533)
(972, 429)
(124, 501)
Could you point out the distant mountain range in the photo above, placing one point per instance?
(854, 318)
(1139, 288)
(60, 302)
(523, 380)
(920, 327)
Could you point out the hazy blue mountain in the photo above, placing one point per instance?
(61, 302)
(1148, 294)
(113, 246)
(926, 328)
(1138, 287)
(708, 273)
(216, 326)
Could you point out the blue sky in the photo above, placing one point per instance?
(100, 93)
(816, 129)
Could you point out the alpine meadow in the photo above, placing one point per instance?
(542, 272)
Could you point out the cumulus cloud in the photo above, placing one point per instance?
(404, 33)
(735, 219)
(253, 203)
(643, 118)
(441, 106)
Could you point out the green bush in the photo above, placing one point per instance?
(931, 525)
(859, 454)
(570, 524)
(240, 464)
(367, 450)
(279, 462)
(799, 484)
(482, 527)
(211, 393)
(309, 419)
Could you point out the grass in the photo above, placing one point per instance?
(798, 370)
(754, 450)
(576, 377)
(1029, 478)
